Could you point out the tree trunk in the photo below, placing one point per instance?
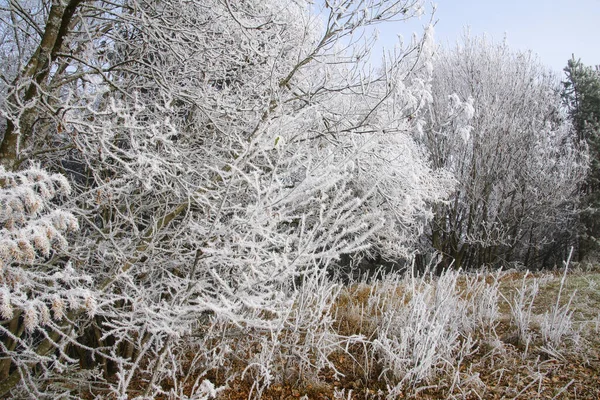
(19, 129)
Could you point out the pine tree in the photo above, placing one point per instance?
(581, 94)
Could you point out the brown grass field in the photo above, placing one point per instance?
(497, 362)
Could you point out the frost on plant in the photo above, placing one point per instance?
(521, 308)
(425, 333)
(38, 286)
(557, 323)
(219, 153)
(497, 124)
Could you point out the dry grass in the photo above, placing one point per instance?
(483, 352)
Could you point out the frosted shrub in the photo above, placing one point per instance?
(218, 151)
(497, 122)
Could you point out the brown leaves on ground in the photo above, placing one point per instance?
(493, 376)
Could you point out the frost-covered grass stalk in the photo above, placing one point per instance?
(521, 308)
(426, 331)
(557, 323)
(297, 347)
(418, 329)
(483, 292)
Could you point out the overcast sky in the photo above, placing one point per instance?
(553, 29)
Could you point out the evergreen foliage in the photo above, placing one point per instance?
(581, 95)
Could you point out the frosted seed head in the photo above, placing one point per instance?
(5, 212)
(16, 205)
(44, 314)
(7, 180)
(12, 249)
(72, 224)
(58, 221)
(27, 251)
(62, 184)
(58, 308)
(31, 201)
(19, 219)
(30, 318)
(50, 231)
(90, 304)
(35, 174)
(5, 250)
(45, 191)
(6, 310)
(41, 243)
(63, 221)
(9, 223)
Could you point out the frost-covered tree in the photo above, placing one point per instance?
(496, 124)
(218, 152)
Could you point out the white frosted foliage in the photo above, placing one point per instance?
(28, 224)
(218, 157)
(6, 309)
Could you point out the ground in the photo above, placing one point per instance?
(500, 364)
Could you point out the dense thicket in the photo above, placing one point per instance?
(176, 175)
(216, 153)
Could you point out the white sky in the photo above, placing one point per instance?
(553, 29)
